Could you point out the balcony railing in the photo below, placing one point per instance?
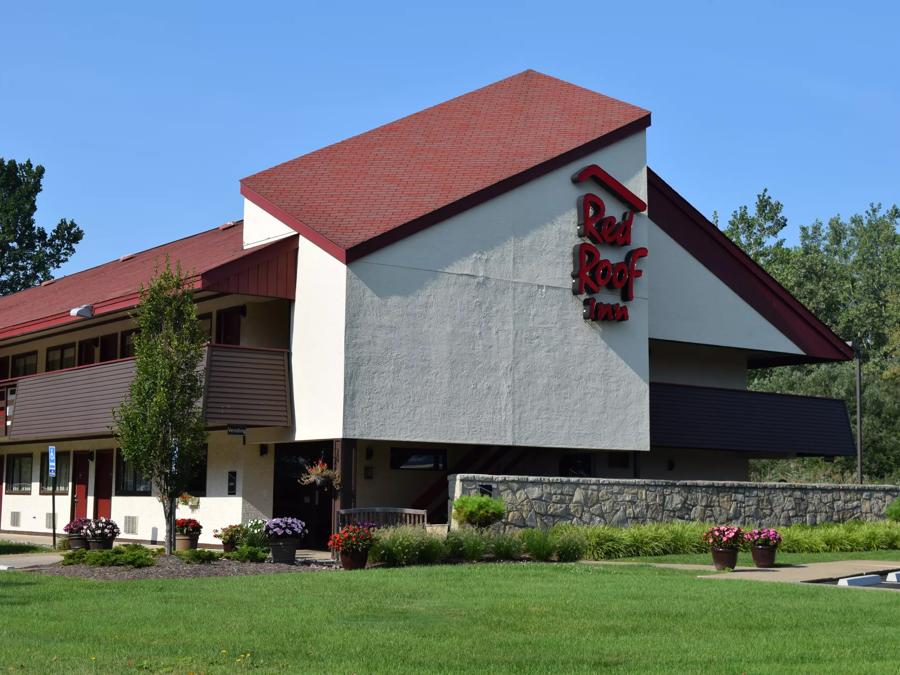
(245, 386)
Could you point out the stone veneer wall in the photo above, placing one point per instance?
(536, 501)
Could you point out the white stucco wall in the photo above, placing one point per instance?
(468, 332)
(688, 303)
(317, 344)
(262, 228)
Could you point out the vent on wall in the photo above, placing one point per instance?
(15, 518)
(131, 525)
(48, 521)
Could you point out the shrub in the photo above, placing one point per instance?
(892, 512)
(248, 554)
(538, 544)
(506, 546)
(569, 542)
(478, 510)
(196, 556)
(406, 545)
(129, 555)
(254, 534)
(466, 544)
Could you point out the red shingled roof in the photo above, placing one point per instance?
(115, 285)
(373, 189)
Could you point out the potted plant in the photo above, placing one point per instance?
(284, 536)
(75, 532)
(231, 537)
(320, 475)
(187, 532)
(763, 546)
(724, 542)
(353, 542)
(100, 533)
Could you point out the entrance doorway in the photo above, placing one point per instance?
(309, 503)
(103, 484)
(80, 472)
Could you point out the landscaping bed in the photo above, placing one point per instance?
(173, 567)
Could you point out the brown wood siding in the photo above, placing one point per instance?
(249, 387)
(74, 402)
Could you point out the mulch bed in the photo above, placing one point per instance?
(171, 567)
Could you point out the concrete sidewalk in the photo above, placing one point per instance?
(810, 572)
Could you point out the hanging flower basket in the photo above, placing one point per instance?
(321, 476)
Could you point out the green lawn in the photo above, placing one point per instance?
(9, 547)
(745, 560)
(538, 618)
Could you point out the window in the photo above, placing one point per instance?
(62, 473)
(576, 465)
(418, 459)
(228, 325)
(197, 486)
(18, 474)
(4, 368)
(109, 347)
(126, 345)
(24, 364)
(206, 324)
(87, 351)
(60, 357)
(128, 481)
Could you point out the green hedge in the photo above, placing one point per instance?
(400, 546)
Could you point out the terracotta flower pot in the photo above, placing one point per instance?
(228, 547)
(77, 541)
(725, 558)
(764, 556)
(354, 560)
(186, 542)
(284, 549)
(99, 544)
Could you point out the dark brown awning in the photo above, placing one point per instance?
(706, 418)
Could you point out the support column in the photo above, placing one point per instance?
(345, 464)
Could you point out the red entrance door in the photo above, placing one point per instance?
(103, 483)
(80, 472)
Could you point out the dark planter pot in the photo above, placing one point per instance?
(725, 558)
(284, 549)
(186, 542)
(354, 561)
(229, 547)
(764, 556)
(77, 541)
(99, 544)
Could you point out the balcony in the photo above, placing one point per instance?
(245, 386)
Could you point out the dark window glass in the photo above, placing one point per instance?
(62, 473)
(577, 465)
(4, 367)
(228, 325)
(109, 347)
(129, 481)
(18, 474)
(60, 357)
(126, 348)
(24, 364)
(418, 459)
(206, 324)
(87, 351)
(197, 486)
(618, 460)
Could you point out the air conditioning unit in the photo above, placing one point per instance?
(15, 518)
(131, 525)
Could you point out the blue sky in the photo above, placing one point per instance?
(146, 117)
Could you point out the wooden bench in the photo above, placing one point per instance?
(383, 516)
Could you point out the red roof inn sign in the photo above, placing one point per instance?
(592, 272)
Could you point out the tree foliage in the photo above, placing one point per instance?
(28, 253)
(847, 272)
(160, 426)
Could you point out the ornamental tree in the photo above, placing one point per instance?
(160, 426)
